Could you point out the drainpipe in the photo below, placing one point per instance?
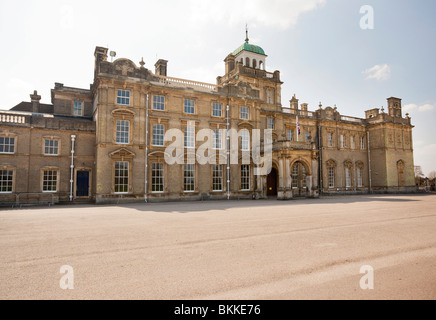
(320, 181)
(228, 151)
(146, 150)
(73, 139)
(369, 164)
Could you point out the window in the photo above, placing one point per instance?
(189, 106)
(362, 143)
(158, 135)
(245, 140)
(121, 177)
(295, 174)
(290, 135)
(78, 109)
(359, 177)
(159, 103)
(217, 139)
(157, 177)
(245, 115)
(51, 147)
(7, 145)
(189, 178)
(271, 123)
(189, 137)
(217, 177)
(123, 98)
(308, 136)
(268, 96)
(353, 142)
(331, 172)
(245, 177)
(217, 110)
(348, 177)
(6, 180)
(343, 142)
(50, 181)
(123, 132)
(330, 140)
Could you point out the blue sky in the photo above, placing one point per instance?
(318, 46)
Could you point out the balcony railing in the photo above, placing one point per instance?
(11, 118)
(202, 86)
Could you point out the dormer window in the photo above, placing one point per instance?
(78, 109)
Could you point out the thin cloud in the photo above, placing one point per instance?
(414, 107)
(273, 13)
(378, 72)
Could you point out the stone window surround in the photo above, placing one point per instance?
(14, 170)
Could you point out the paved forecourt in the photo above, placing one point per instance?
(306, 249)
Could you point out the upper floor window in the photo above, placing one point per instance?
(159, 103)
(290, 135)
(308, 136)
(78, 109)
(330, 140)
(362, 143)
(189, 137)
(51, 147)
(7, 145)
(189, 106)
(245, 140)
(271, 123)
(158, 135)
(245, 113)
(6, 181)
(217, 110)
(217, 139)
(123, 132)
(353, 142)
(123, 97)
(268, 96)
(343, 142)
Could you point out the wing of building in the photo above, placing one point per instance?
(110, 143)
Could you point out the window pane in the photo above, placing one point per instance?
(122, 131)
(6, 179)
(159, 103)
(245, 140)
(51, 147)
(189, 106)
(217, 177)
(158, 135)
(49, 183)
(157, 177)
(7, 145)
(78, 109)
(189, 137)
(121, 177)
(244, 113)
(245, 177)
(189, 178)
(217, 110)
(123, 97)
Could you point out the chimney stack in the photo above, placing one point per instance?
(161, 67)
(35, 99)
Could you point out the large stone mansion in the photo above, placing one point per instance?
(107, 143)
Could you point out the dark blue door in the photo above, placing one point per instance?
(82, 181)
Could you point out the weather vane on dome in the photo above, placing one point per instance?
(246, 33)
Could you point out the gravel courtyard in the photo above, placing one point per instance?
(305, 249)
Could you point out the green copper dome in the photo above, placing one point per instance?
(250, 48)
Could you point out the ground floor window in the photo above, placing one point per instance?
(245, 177)
(157, 177)
(189, 178)
(121, 177)
(50, 181)
(331, 177)
(348, 177)
(217, 177)
(6, 180)
(359, 177)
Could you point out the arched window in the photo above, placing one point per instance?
(261, 64)
(254, 63)
(331, 170)
(247, 61)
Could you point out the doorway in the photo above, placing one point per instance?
(271, 184)
(299, 185)
(82, 184)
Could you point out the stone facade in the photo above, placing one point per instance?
(106, 144)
